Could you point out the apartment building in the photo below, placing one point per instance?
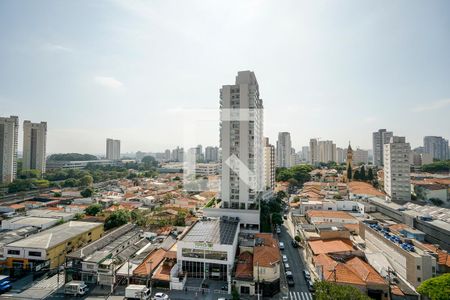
(379, 139)
(327, 151)
(397, 179)
(9, 129)
(437, 146)
(34, 146)
(112, 149)
(313, 152)
(211, 154)
(269, 165)
(284, 150)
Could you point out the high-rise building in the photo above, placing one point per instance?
(9, 132)
(241, 141)
(167, 155)
(397, 179)
(34, 146)
(269, 164)
(112, 149)
(379, 139)
(305, 154)
(313, 152)
(327, 151)
(340, 155)
(284, 150)
(177, 154)
(360, 156)
(211, 154)
(437, 146)
(199, 156)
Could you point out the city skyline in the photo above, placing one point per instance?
(322, 66)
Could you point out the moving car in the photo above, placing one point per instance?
(287, 267)
(5, 284)
(281, 246)
(284, 258)
(75, 288)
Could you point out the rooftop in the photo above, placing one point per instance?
(363, 188)
(31, 221)
(216, 231)
(330, 246)
(266, 251)
(151, 262)
(329, 214)
(49, 238)
(244, 266)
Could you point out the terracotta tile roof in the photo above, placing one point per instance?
(359, 187)
(244, 267)
(150, 263)
(398, 227)
(162, 273)
(17, 206)
(268, 253)
(354, 271)
(443, 257)
(396, 290)
(330, 246)
(329, 214)
(352, 227)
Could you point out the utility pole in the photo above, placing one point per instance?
(257, 287)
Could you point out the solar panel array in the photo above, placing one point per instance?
(216, 231)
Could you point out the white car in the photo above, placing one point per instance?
(281, 246)
(285, 258)
(161, 296)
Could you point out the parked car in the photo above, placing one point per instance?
(161, 296)
(284, 258)
(310, 285)
(286, 267)
(281, 246)
(295, 244)
(285, 216)
(307, 274)
(290, 278)
(278, 230)
(224, 287)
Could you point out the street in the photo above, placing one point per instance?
(300, 291)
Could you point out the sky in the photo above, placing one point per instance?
(131, 70)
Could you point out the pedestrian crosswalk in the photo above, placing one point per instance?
(300, 296)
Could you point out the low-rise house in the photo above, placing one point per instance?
(329, 216)
(266, 264)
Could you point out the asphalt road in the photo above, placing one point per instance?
(300, 291)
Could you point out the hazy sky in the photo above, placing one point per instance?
(125, 69)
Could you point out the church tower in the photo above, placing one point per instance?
(349, 156)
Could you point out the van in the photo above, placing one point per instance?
(75, 288)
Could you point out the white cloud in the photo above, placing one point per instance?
(433, 105)
(50, 47)
(109, 82)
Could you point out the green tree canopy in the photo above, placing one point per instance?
(71, 156)
(331, 291)
(117, 218)
(93, 209)
(437, 167)
(149, 162)
(277, 218)
(370, 174)
(86, 180)
(362, 173)
(436, 288)
(29, 174)
(87, 192)
(349, 172)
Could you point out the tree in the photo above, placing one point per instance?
(370, 174)
(357, 175)
(79, 216)
(20, 185)
(29, 174)
(298, 238)
(71, 156)
(117, 218)
(362, 173)
(349, 172)
(235, 293)
(324, 290)
(436, 288)
(281, 195)
(71, 182)
(442, 166)
(93, 209)
(180, 220)
(149, 162)
(57, 194)
(277, 218)
(86, 180)
(86, 193)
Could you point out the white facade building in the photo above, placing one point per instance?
(379, 139)
(397, 179)
(305, 154)
(341, 155)
(112, 149)
(212, 154)
(269, 164)
(327, 151)
(284, 150)
(241, 142)
(360, 156)
(9, 129)
(437, 146)
(34, 146)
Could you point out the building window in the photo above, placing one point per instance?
(418, 267)
(90, 233)
(419, 279)
(34, 253)
(14, 252)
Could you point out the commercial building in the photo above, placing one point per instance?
(77, 164)
(208, 249)
(20, 222)
(9, 129)
(49, 248)
(269, 165)
(211, 154)
(207, 169)
(330, 216)
(437, 146)
(412, 264)
(112, 149)
(379, 139)
(34, 146)
(284, 146)
(397, 179)
(241, 141)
